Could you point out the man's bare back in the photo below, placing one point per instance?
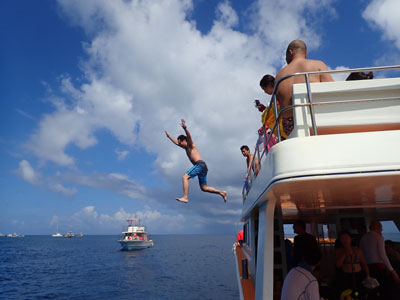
(297, 62)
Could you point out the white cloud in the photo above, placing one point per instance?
(59, 188)
(227, 15)
(384, 14)
(26, 172)
(121, 154)
(279, 22)
(115, 182)
(89, 220)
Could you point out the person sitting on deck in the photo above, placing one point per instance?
(296, 57)
(372, 245)
(300, 283)
(360, 76)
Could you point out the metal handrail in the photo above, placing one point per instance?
(311, 105)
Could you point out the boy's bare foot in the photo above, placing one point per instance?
(224, 195)
(183, 199)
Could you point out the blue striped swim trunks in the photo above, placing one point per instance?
(200, 170)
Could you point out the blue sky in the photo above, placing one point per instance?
(88, 88)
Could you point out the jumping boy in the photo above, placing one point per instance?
(199, 168)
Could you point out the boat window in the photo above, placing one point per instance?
(390, 231)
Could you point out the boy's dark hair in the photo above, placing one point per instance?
(360, 76)
(312, 256)
(244, 147)
(182, 138)
(267, 80)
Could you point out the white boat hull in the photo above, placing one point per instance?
(135, 245)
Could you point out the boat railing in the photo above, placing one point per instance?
(260, 153)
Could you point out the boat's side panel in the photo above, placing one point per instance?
(135, 245)
(265, 257)
(325, 155)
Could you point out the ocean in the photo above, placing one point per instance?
(93, 267)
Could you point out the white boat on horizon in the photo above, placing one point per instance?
(57, 234)
(135, 237)
(339, 169)
(14, 235)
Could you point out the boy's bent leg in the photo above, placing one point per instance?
(210, 189)
(185, 183)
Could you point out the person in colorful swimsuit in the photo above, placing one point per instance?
(199, 168)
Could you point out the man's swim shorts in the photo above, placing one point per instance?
(200, 170)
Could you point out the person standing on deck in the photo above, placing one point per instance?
(249, 161)
(296, 58)
(199, 168)
(372, 245)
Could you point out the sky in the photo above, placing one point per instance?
(89, 87)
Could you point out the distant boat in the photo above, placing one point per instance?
(1, 234)
(135, 237)
(14, 235)
(57, 234)
(69, 234)
(79, 235)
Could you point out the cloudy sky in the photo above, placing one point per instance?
(88, 88)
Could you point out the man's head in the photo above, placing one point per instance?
(267, 84)
(296, 48)
(376, 226)
(312, 256)
(182, 140)
(299, 227)
(245, 150)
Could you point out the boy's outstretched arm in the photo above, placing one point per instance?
(171, 138)
(189, 137)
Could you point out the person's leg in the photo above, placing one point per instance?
(185, 182)
(212, 190)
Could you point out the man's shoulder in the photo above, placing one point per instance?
(315, 63)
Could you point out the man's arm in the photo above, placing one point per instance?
(189, 137)
(172, 139)
(325, 77)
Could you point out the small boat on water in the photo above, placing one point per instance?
(14, 235)
(69, 235)
(57, 234)
(79, 235)
(135, 237)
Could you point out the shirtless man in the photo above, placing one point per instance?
(199, 168)
(249, 161)
(296, 57)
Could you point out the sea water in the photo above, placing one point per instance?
(93, 267)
